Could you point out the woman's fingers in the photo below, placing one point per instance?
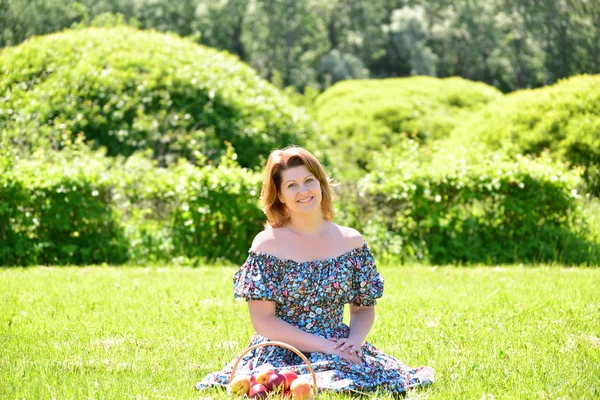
(346, 346)
(348, 357)
(353, 360)
(347, 349)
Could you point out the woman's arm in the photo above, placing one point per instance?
(267, 324)
(361, 322)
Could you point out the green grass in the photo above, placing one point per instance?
(136, 333)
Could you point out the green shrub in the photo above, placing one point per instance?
(563, 119)
(15, 245)
(191, 213)
(591, 211)
(80, 207)
(130, 90)
(500, 211)
(54, 211)
(359, 117)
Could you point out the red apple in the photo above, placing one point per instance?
(252, 380)
(258, 391)
(290, 376)
(301, 389)
(276, 383)
(240, 384)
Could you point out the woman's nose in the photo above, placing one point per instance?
(302, 190)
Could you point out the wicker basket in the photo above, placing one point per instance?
(286, 346)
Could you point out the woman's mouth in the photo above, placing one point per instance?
(304, 201)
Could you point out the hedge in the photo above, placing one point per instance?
(501, 211)
(362, 116)
(80, 207)
(563, 119)
(187, 213)
(54, 211)
(129, 90)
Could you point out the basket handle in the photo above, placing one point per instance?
(280, 344)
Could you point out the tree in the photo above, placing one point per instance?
(284, 39)
(221, 25)
(408, 32)
(335, 66)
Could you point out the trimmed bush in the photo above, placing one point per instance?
(501, 211)
(359, 117)
(563, 119)
(15, 245)
(58, 212)
(130, 90)
(80, 207)
(189, 213)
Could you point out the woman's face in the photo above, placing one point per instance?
(300, 190)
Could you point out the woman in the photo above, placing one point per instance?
(300, 272)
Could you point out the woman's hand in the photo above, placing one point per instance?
(331, 349)
(345, 348)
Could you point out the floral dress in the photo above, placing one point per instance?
(311, 296)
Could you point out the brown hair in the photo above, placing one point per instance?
(279, 161)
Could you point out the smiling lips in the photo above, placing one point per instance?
(305, 200)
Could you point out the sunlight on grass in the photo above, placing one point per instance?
(154, 332)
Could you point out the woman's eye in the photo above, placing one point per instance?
(309, 180)
(291, 185)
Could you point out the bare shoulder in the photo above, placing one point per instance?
(351, 236)
(266, 241)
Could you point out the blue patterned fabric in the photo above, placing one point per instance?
(311, 296)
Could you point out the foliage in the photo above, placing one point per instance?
(80, 207)
(15, 247)
(334, 67)
(591, 211)
(407, 28)
(510, 44)
(360, 117)
(189, 213)
(450, 211)
(563, 119)
(57, 209)
(127, 90)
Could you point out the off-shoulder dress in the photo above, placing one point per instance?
(311, 296)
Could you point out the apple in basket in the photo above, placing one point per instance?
(276, 382)
(290, 376)
(263, 375)
(258, 391)
(241, 384)
(301, 389)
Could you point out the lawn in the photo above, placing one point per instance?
(133, 333)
